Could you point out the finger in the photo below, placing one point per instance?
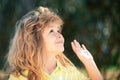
(79, 48)
(77, 45)
(73, 47)
(74, 42)
(83, 46)
(87, 52)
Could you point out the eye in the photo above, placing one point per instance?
(51, 30)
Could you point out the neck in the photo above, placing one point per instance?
(49, 63)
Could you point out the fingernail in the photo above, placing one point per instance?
(75, 40)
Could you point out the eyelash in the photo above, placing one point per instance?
(59, 31)
(53, 31)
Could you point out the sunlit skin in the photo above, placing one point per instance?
(37, 49)
(53, 39)
(86, 58)
(53, 42)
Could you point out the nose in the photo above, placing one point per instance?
(59, 35)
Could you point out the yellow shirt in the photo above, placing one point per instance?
(60, 73)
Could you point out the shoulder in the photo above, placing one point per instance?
(19, 77)
(77, 73)
(71, 71)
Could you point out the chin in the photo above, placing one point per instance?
(57, 49)
(60, 50)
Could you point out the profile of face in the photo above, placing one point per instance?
(53, 40)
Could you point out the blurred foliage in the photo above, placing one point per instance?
(95, 23)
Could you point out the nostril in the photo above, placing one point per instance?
(59, 35)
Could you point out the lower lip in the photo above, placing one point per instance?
(59, 42)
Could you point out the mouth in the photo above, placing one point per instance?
(60, 42)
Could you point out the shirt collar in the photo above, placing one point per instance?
(59, 67)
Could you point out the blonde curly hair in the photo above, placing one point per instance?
(26, 46)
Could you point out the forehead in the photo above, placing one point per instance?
(47, 21)
(56, 23)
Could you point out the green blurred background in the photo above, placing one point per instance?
(95, 23)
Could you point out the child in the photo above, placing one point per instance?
(36, 51)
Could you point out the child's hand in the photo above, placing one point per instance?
(81, 51)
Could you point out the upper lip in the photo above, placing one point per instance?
(60, 41)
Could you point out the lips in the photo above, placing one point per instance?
(60, 42)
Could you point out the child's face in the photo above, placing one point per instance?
(53, 40)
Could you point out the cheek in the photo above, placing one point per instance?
(48, 44)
